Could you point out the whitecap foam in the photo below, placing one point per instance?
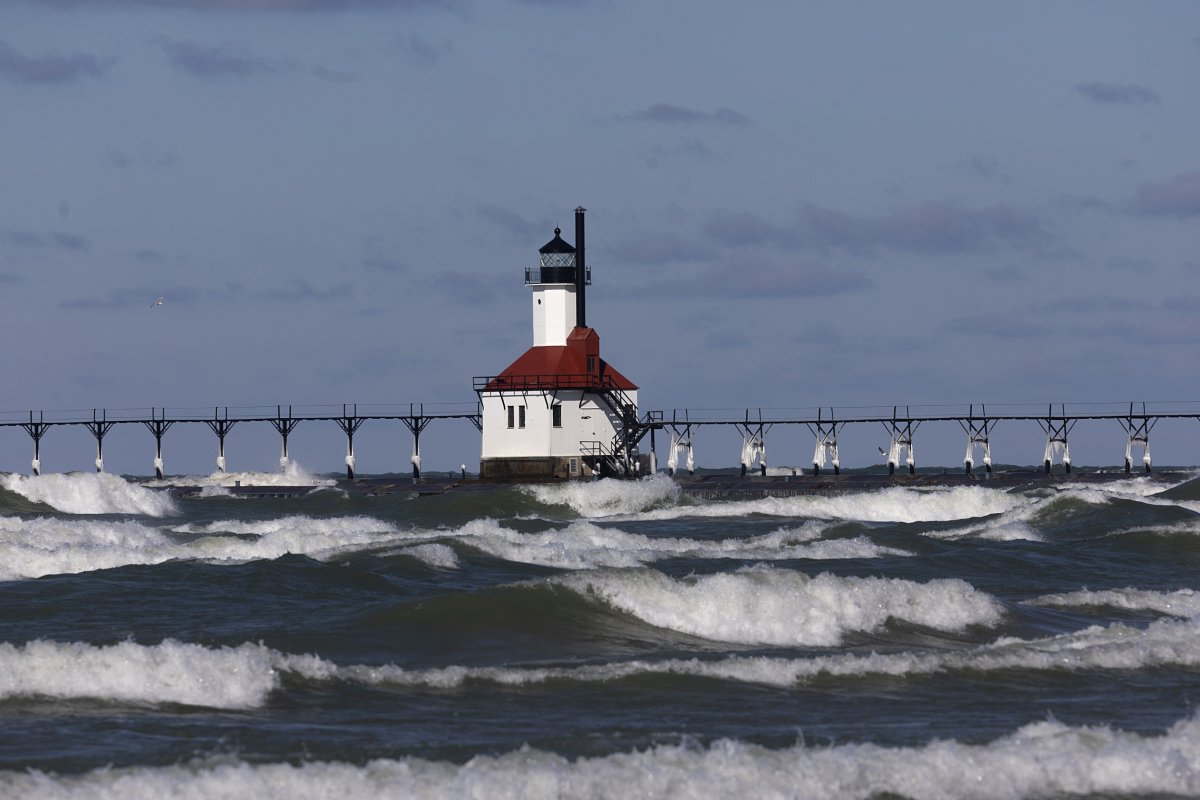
(585, 545)
(1042, 759)
(90, 493)
(171, 672)
(608, 496)
(1183, 603)
(291, 475)
(783, 607)
(50, 546)
(893, 504)
(31, 548)
(1165, 643)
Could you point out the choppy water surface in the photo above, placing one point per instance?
(599, 640)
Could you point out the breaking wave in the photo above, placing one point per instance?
(782, 607)
(1042, 759)
(90, 493)
(608, 497)
(31, 548)
(291, 475)
(584, 545)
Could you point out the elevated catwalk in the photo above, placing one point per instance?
(729, 486)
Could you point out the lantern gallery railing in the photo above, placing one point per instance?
(1136, 419)
(534, 383)
(349, 417)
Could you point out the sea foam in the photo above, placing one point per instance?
(783, 607)
(894, 504)
(31, 548)
(172, 672)
(585, 545)
(1042, 759)
(90, 493)
(608, 496)
(291, 475)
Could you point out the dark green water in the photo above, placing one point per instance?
(599, 640)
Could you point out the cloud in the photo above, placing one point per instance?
(686, 148)
(671, 114)
(1141, 266)
(135, 298)
(947, 227)
(742, 229)
(467, 288)
(726, 340)
(11, 278)
(333, 76)
(215, 61)
(759, 280)
(50, 68)
(657, 248)
(30, 240)
(418, 52)
(147, 156)
(302, 291)
(281, 6)
(513, 222)
(988, 168)
(1120, 94)
(377, 262)
(1177, 197)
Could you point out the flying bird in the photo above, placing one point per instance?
(157, 302)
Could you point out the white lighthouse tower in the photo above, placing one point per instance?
(559, 411)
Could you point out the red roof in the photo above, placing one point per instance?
(562, 367)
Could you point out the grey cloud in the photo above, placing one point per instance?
(726, 340)
(146, 156)
(999, 326)
(741, 228)
(988, 168)
(300, 290)
(282, 6)
(135, 298)
(215, 61)
(1187, 303)
(333, 76)
(69, 241)
(688, 148)
(468, 288)
(513, 222)
(672, 114)
(1142, 266)
(1090, 304)
(1007, 274)
(1125, 94)
(47, 69)
(415, 50)
(765, 281)
(933, 228)
(381, 263)
(1177, 197)
(30, 240)
(657, 248)
(11, 278)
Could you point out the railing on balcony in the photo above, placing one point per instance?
(539, 274)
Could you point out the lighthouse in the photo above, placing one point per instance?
(560, 411)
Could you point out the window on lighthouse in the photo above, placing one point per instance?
(511, 410)
(521, 416)
(556, 415)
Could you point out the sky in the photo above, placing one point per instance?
(791, 205)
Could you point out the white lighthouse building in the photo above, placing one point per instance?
(559, 411)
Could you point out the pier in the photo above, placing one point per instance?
(900, 424)
(222, 420)
(1132, 425)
